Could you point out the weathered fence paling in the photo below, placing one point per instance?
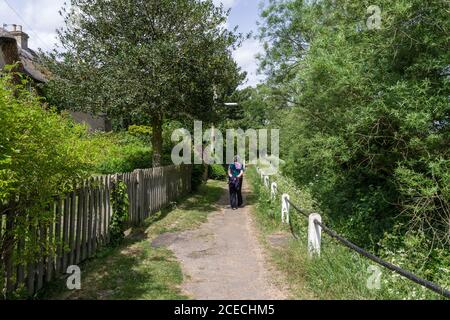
(81, 221)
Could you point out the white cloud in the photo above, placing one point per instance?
(226, 3)
(43, 19)
(39, 19)
(245, 57)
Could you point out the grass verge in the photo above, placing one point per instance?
(339, 273)
(135, 270)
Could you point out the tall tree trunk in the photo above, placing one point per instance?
(157, 140)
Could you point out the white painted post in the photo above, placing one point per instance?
(274, 190)
(267, 182)
(285, 207)
(314, 235)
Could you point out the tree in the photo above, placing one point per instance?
(144, 60)
(368, 131)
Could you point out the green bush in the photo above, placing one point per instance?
(217, 172)
(341, 273)
(136, 130)
(122, 152)
(126, 159)
(198, 176)
(129, 150)
(142, 132)
(119, 200)
(366, 132)
(42, 155)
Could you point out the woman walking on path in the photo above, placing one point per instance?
(235, 174)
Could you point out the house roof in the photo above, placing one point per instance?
(28, 58)
(29, 61)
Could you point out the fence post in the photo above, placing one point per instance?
(267, 182)
(9, 238)
(141, 194)
(314, 234)
(285, 207)
(274, 190)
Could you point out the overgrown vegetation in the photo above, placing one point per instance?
(135, 270)
(119, 218)
(217, 172)
(199, 175)
(145, 73)
(364, 119)
(42, 154)
(339, 273)
(124, 152)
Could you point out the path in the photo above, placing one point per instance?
(223, 258)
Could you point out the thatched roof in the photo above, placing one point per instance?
(27, 57)
(32, 68)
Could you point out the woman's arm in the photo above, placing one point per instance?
(229, 172)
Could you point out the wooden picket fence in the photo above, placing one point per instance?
(81, 221)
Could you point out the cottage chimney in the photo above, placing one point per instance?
(20, 36)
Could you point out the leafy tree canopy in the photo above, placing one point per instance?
(145, 61)
(367, 122)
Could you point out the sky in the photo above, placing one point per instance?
(40, 19)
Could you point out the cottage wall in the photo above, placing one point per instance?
(94, 123)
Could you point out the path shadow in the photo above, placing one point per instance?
(125, 273)
(201, 202)
(135, 270)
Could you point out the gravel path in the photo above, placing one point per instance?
(223, 258)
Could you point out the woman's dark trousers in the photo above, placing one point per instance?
(233, 197)
(239, 193)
